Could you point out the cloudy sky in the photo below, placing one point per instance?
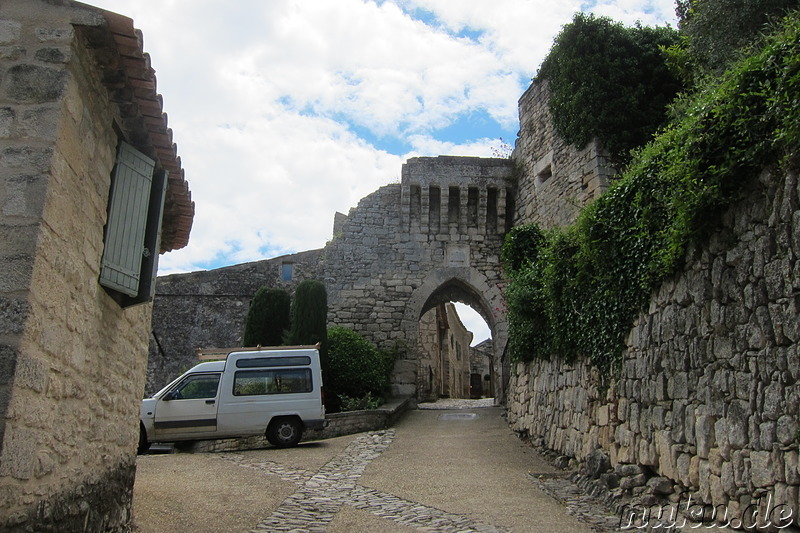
(286, 111)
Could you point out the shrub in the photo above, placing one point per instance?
(310, 319)
(360, 404)
(717, 31)
(357, 367)
(610, 82)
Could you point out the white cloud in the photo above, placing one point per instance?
(425, 145)
(649, 13)
(265, 99)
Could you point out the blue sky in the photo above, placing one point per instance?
(317, 103)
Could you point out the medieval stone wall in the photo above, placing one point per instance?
(73, 360)
(708, 397)
(555, 178)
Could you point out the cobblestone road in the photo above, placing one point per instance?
(321, 494)
(453, 470)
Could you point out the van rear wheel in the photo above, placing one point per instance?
(284, 432)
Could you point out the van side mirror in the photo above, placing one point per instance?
(169, 396)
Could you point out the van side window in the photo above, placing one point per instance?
(198, 387)
(284, 381)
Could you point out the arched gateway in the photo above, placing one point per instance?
(406, 248)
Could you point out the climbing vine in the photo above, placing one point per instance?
(575, 291)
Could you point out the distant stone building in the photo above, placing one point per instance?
(91, 191)
(443, 355)
(481, 360)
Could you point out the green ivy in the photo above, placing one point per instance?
(574, 292)
(716, 31)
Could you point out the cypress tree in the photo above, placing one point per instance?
(310, 318)
(268, 317)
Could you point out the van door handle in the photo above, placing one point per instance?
(210, 402)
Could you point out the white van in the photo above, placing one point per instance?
(275, 392)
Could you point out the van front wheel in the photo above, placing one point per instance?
(143, 444)
(284, 432)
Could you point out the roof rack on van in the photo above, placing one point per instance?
(216, 354)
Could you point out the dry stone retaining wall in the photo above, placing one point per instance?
(708, 401)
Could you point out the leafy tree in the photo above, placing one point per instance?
(268, 317)
(716, 31)
(610, 82)
(309, 313)
(357, 368)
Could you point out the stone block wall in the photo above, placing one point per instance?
(555, 179)
(347, 423)
(708, 395)
(72, 360)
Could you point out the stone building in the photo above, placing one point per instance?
(91, 192)
(443, 355)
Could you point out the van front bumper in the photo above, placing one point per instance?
(317, 424)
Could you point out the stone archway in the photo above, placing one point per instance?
(455, 284)
(435, 237)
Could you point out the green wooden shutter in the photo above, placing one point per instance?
(127, 219)
(152, 240)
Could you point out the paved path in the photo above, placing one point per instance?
(454, 470)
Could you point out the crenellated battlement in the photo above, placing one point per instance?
(455, 196)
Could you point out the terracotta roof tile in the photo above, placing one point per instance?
(131, 81)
